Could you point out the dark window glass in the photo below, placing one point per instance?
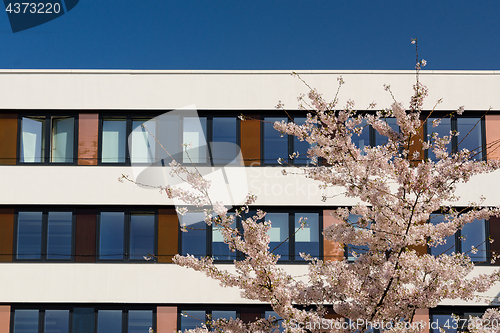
(56, 321)
(362, 140)
(444, 321)
(83, 320)
(474, 234)
(29, 235)
(111, 235)
(224, 314)
(275, 145)
(194, 241)
(381, 139)
(109, 321)
(142, 235)
(300, 147)
(25, 321)
(278, 319)
(220, 250)
(113, 143)
(470, 136)
(358, 249)
(192, 319)
(224, 144)
(59, 235)
(449, 246)
(139, 321)
(307, 239)
(279, 234)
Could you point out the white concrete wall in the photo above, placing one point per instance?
(235, 90)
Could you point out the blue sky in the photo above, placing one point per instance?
(259, 34)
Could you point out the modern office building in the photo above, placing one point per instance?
(82, 252)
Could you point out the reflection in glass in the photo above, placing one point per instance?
(139, 321)
(442, 130)
(470, 136)
(474, 234)
(111, 233)
(25, 321)
(62, 139)
(32, 140)
(143, 141)
(114, 135)
(56, 321)
(307, 239)
(220, 250)
(194, 130)
(381, 139)
(358, 249)
(194, 241)
(300, 146)
(224, 131)
(275, 145)
(29, 235)
(192, 319)
(59, 235)
(109, 321)
(279, 234)
(142, 239)
(446, 248)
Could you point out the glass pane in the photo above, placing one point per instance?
(142, 235)
(279, 234)
(109, 321)
(475, 235)
(449, 246)
(32, 140)
(358, 249)
(470, 136)
(192, 319)
(62, 139)
(139, 321)
(29, 235)
(111, 233)
(444, 321)
(275, 146)
(223, 314)
(220, 250)
(224, 146)
(268, 314)
(380, 139)
(194, 130)
(194, 241)
(300, 146)
(307, 239)
(83, 320)
(113, 140)
(443, 129)
(363, 140)
(60, 235)
(143, 141)
(56, 321)
(25, 321)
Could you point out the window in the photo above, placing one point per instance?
(441, 317)
(191, 319)
(287, 238)
(351, 249)
(47, 139)
(44, 235)
(370, 137)
(470, 134)
(126, 236)
(474, 234)
(109, 320)
(275, 146)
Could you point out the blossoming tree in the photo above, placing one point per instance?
(398, 189)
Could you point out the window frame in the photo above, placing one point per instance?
(454, 127)
(44, 235)
(291, 233)
(47, 135)
(127, 214)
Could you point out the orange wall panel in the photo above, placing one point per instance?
(250, 139)
(4, 319)
(492, 130)
(6, 234)
(166, 319)
(331, 250)
(422, 315)
(8, 138)
(168, 235)
(88, 134)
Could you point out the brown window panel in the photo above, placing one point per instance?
(168, 235)
(7, 234)
(85, 242)
(88, 132)
(8, 137)
(250, 139)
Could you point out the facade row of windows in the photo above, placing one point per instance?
(132, 235)
(213, 139)
(82, 319)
